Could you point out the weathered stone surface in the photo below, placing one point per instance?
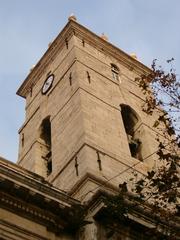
(87, 137)
(84, 108)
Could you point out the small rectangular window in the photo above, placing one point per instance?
(115, 72)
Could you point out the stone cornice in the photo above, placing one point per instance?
(31, 212)
(139, 212)
(30, 196)
(74, 28)
(89, 177)
(109, 49)
(19, 232)
(28, 181)
(45, 60)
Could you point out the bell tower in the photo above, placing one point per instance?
(84, 125)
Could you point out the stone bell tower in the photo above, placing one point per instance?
(84, 125)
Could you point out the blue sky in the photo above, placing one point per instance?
(148, 28)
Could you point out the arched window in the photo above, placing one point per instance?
(115, 72)
(45, 137)
(130, 120)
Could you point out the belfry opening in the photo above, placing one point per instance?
(45, 137)
(130, 120)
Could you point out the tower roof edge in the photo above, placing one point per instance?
(74, 28)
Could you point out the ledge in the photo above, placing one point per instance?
(70, 29)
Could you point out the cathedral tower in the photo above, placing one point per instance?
(84, 125)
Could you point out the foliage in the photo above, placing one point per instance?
(162, 184)
(116, 208)
(160, 188)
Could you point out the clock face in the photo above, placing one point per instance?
(47, 84)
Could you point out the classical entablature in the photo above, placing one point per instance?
(139, 222)
(29, 196)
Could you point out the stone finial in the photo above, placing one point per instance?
(72, 17)
(133, 55)
(32, 68)
(103, 36)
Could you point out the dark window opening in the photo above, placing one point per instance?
(115, 72)
(130, 120)
(45, 135)
(134, 146)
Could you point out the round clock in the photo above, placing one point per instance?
(47, 84)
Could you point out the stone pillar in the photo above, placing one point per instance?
(89, 231)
